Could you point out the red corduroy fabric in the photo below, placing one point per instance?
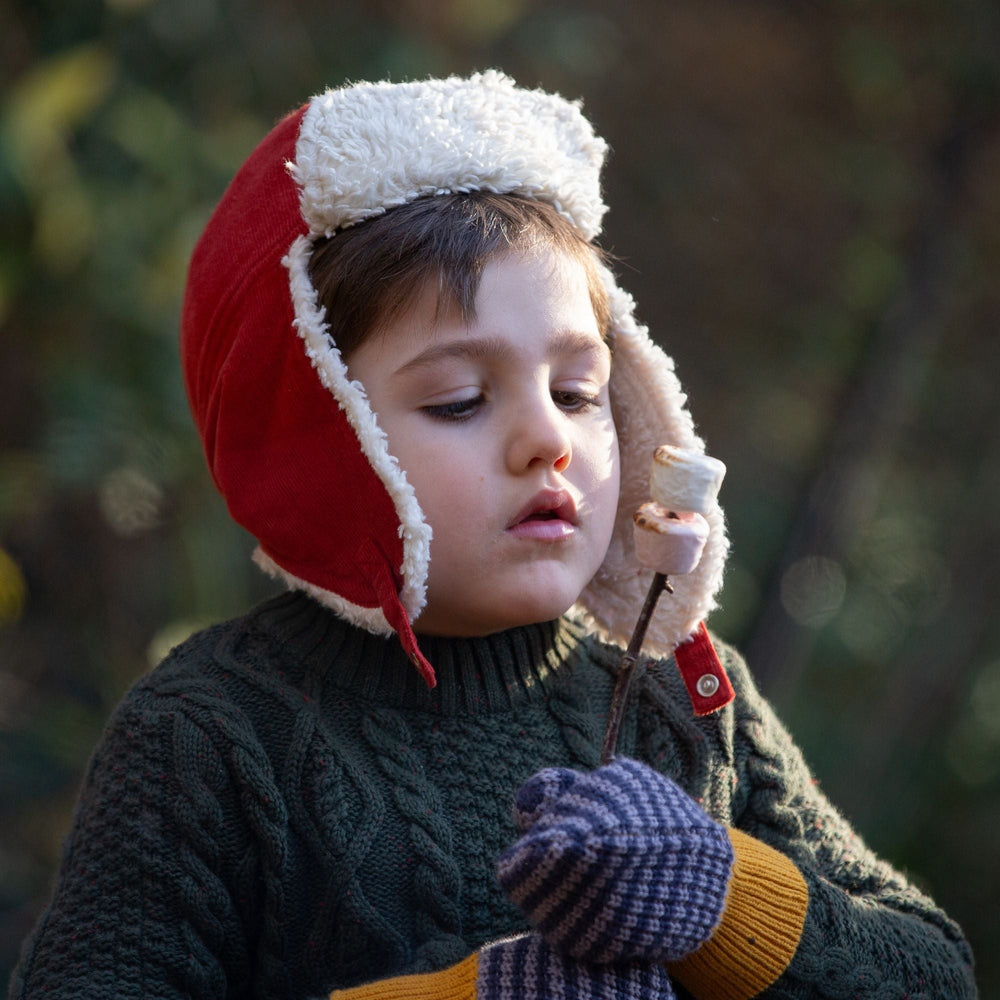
(279, 447)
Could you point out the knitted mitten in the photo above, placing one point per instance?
(618, 864)
(526, 967)
(522, 968)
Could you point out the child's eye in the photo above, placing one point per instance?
(459, 409)
(574, 402)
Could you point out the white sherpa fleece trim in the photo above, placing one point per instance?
(326, 359)
(366, 148)
(650, 409)
(370, 619)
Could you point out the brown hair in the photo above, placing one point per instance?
(368, 274)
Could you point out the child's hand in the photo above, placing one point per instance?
(618, 864)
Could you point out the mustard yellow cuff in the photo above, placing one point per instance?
(759, 930)
(457, 982)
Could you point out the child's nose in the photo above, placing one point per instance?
(539, 436)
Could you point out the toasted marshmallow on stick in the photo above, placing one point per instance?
(670, 535)
(683, 480)
(668, 542)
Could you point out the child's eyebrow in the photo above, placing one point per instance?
(565, 342)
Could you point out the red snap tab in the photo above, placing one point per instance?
(704, 676)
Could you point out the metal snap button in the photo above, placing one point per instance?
(707, 685)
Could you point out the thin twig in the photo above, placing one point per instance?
(616, 711)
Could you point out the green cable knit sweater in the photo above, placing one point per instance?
(282, 808)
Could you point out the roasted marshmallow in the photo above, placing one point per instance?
(666, 541)
(683, 480)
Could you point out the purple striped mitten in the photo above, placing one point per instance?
(522, 968)
(616, 865)
(526, 968)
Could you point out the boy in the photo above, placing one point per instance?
(419, 387)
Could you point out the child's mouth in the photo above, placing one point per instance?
(549, 516)
(543, 529)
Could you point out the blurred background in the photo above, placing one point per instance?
(805, 200)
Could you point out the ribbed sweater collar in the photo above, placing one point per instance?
(475, 675)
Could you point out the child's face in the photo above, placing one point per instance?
(504, 428)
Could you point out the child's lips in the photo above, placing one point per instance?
(549, 516)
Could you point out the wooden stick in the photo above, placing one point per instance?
(619, 700)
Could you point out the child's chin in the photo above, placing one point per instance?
(498, 617)
(538, 609)
(538, 593)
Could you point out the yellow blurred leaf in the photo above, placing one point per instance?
(13, 589)
(48, 102)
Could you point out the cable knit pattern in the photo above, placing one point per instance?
(437, 880)
(283, 808)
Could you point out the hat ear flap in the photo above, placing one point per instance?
(291, 441)
(650, 409)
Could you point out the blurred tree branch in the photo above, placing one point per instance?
(876, 410)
